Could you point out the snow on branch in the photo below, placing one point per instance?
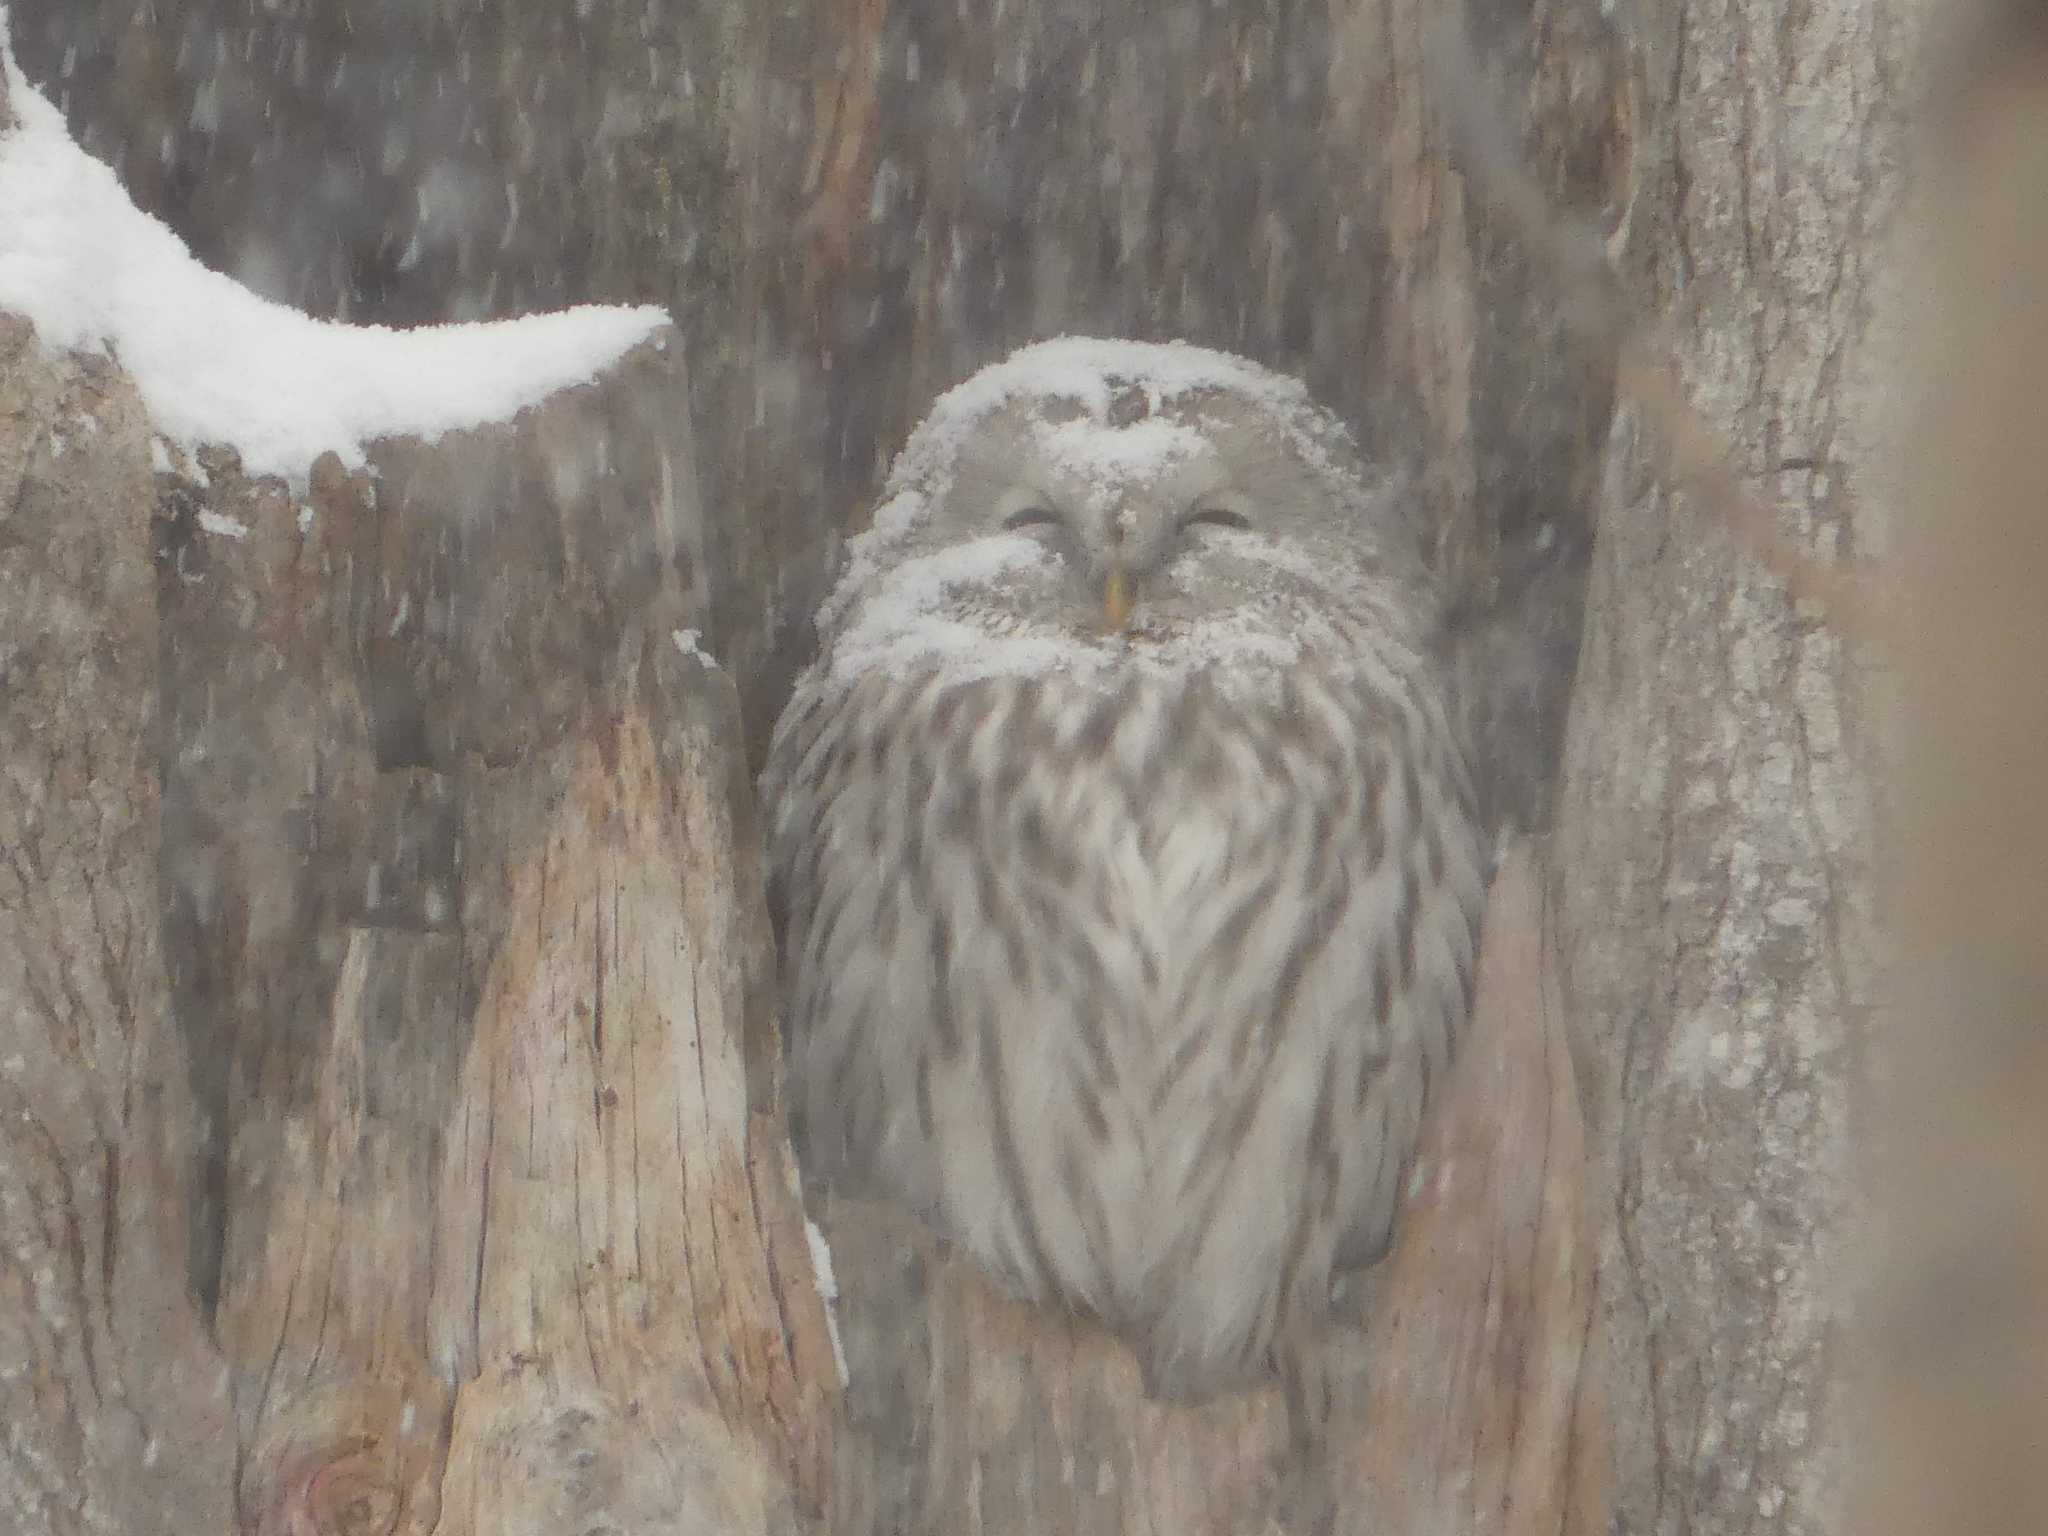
(217, 364)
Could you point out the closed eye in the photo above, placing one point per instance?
(1215, 517)
(1030, 517)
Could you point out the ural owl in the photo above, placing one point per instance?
(1126, 853)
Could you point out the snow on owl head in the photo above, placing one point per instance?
(1087, 506)
(1125, 856)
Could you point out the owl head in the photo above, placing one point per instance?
(1095, 506)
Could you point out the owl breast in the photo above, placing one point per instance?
(1133, 987)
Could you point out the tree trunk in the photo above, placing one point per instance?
(493, 875)
(118, 1412)
(1710, 872)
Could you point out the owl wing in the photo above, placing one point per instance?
(1418, 982)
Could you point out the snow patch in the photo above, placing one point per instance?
(224, 526)
(1090, 371)
(688, 643)
(897, 615)
(215, 363)
(1107, 459)
(821, 1261)
(828, 1291)
(1080, 368)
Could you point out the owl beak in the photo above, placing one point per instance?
(1117, 601)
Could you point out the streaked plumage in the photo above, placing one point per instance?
(1126, 858)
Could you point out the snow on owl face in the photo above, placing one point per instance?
(1094, 507)
(1125, 858)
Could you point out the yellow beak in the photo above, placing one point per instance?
(1116, 598)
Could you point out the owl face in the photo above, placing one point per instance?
(1095, 507)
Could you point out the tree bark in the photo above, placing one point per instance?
(511, 1234)
(1711, 874)
(117, 1408)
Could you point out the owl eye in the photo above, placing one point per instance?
(1215, 517)
(1030, 517)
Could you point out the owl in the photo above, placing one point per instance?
(1125, 852)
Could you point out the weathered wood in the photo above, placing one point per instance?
(1711, 872)
(510, 1236)
(117, 1408)
(1486, 1408)
(467, 934)
(618, 1239)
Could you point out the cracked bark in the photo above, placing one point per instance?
(116, 1404)
(1711, 874)
(481, 1267)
